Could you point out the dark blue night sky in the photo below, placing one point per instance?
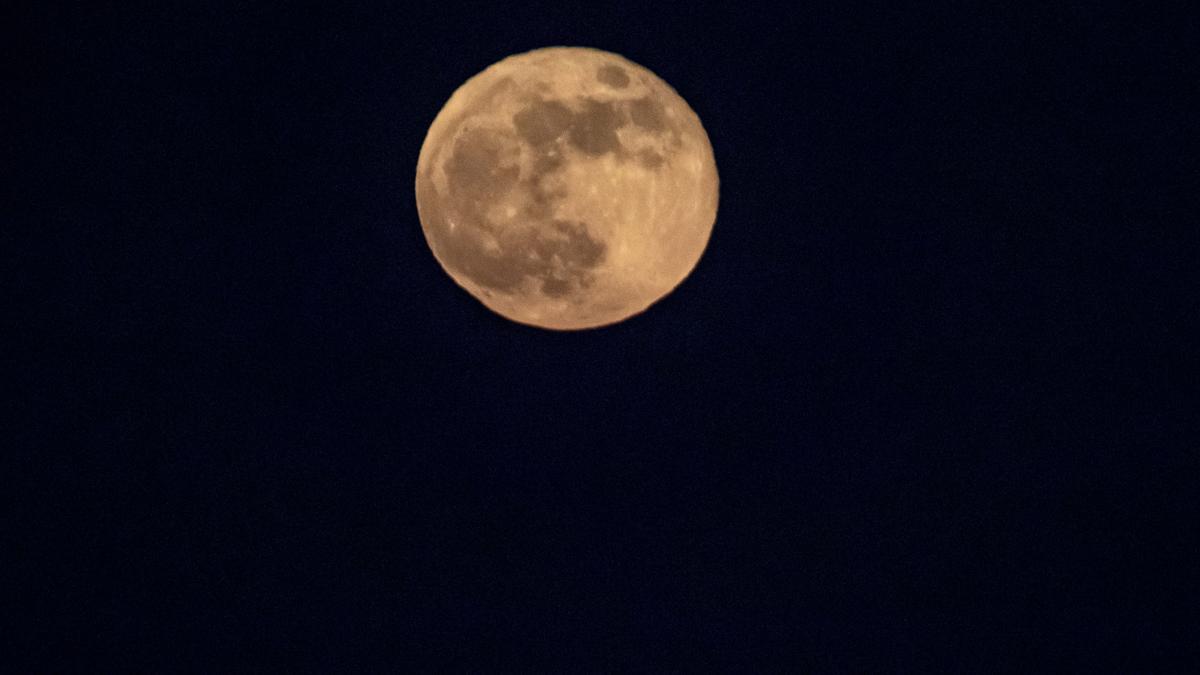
(921, 406)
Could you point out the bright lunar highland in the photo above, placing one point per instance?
(567, 188)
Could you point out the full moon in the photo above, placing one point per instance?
(567, 188)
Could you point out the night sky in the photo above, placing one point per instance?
(923, 405)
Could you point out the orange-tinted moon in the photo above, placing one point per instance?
(567, 188)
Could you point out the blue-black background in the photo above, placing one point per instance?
(921, 406)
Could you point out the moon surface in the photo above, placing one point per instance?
(567, 188)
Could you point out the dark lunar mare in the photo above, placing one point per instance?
(559, 254)
(594, 129)
(613, 76)
(475, 169)
(542, 122)
(648, 114)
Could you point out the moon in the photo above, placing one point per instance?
(567, 188)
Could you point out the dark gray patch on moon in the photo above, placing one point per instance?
(650, 159)
(560, 260)
(558, 255)
(542, 122)
(595, 128)
(613, 76)
(553, 287)
(579, 250)
(547, 159)
(647, 113)
(592, 130)
(565, 261)
(475, 170)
